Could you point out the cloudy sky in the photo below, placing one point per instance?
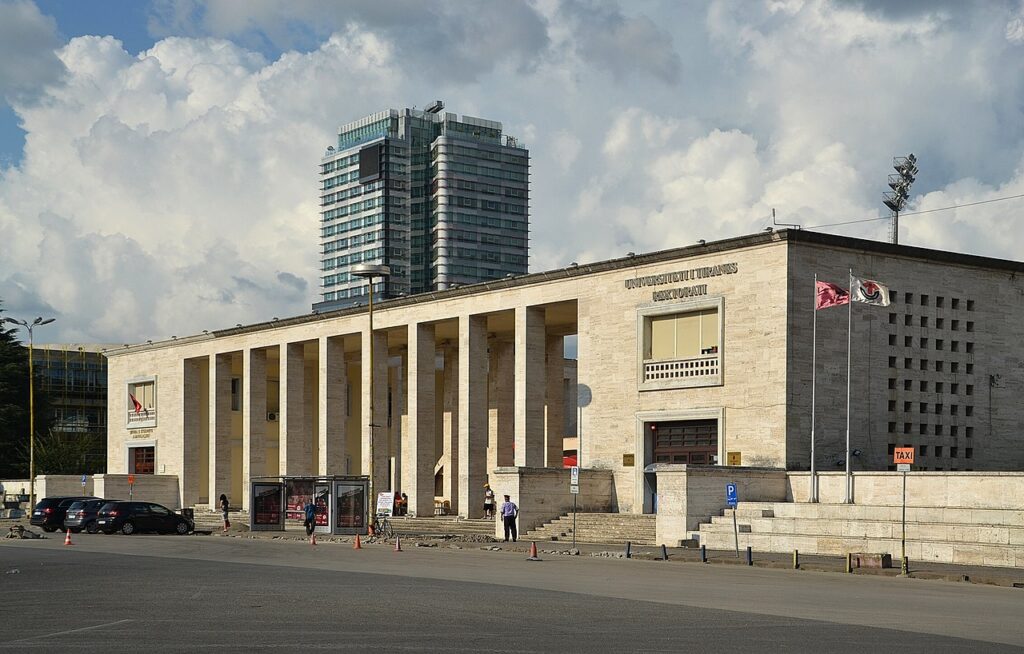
(158, 160)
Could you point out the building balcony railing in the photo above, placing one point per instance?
(706, 365)
(144, 418)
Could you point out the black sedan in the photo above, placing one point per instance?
(82, 515)
(49, 512)
(132, 517)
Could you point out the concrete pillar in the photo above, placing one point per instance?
(450, 426)
(220, 429)
(254, 418)
(397, 373)
(295, 447)
(191, 467)
(472, 419)
(529, 387)
(554, 407)
(501, 405)
(418, 454)
(379, 419)
(333, 388)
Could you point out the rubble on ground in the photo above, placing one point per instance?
(19, 531)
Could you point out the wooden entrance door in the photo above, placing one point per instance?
(685, 441)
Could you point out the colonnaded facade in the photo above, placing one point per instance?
(697, 355)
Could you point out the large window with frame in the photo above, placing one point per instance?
(140, 400)
(680, 346)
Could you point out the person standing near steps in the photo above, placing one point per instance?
(509, 512)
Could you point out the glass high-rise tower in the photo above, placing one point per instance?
(441, 200)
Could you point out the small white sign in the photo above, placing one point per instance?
(902, 467)
(574, 489)
(385, 503)
(574, 475)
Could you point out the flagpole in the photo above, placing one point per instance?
(814, 372)
(849, 357)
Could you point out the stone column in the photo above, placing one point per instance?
(254, 418)
(554, 408)
(397, 431)
(295, 448)
(379, 420)
(220, 429)
(190, 433)
(472, 414)
(529, 387)
(501, 406)
(418, 454)
(450, 426)
(333, 387)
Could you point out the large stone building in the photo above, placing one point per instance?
(442, 201)
(697, 355)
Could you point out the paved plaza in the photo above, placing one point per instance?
(163, 593)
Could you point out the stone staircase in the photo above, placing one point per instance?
(442, 526)
(944, 535)
(598, 528)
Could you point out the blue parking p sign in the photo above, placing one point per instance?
(731, 496)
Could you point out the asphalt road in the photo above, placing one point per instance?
(166, 593)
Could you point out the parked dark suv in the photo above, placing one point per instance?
(82, 515)
(49, 512)
(130, 517)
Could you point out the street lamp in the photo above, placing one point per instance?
(369, 272)
(31, 406)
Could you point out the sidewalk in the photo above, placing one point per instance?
(996, 576)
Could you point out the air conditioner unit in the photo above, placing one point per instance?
(272, 416)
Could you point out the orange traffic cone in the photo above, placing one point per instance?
(357, 545)
(67, 539)
(533, 552)
(398, 543)
(312, 538)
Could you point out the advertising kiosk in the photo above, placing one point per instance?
(340, 501)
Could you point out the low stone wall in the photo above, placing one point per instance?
(54, 485)
(542, 494)
(15, 486)
(162, 489)
(967, 490)
(689, 495)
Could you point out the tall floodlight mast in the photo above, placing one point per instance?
(906, 172)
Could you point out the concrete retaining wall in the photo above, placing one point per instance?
(542, 494)
(162, 489)
(53, 485)
(969, 490)
(689, 495)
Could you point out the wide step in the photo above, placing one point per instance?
(598, 528)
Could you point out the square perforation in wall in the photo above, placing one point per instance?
(955, 303)
(924, 300)
(908, 341)
(939, 301)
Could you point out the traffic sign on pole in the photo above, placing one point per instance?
(731, 496)
(84, 478)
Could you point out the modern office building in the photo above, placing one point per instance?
(74, 379)
(441, 200)
(699, 355)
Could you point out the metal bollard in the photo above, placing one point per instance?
(703, 553)
(849, 563)
(796, 559)
(629, 550)
(905, 566)
(664, 553)
(750, 555)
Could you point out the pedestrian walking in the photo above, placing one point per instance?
(488, 501)
(310, 521)
(224, 511)
(509, 513)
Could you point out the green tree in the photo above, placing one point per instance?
(14, 422)
(66, 454)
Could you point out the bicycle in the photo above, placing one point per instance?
(382, 527)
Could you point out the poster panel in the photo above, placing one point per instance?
(385, 503)
(349, 507)
(322, 501)
(299, 492)
(267, 512)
